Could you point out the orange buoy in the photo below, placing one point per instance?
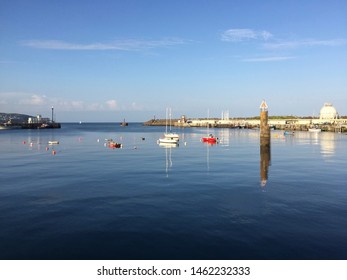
(53, 152)
(24, 142)
(47, 148)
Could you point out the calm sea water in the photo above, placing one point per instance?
(194, 201)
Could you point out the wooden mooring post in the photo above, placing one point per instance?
(265, 144)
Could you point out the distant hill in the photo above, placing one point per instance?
(14, 117)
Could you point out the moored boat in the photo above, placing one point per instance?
(9, 125)
(314, 129)
(4, 126)
(115, 145)
(288, 132)
(172, 135)
(124, 123)
(169, 137)
(211, 139)
(168, 140)
(112, 144)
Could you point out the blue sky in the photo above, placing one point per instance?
(109, 60)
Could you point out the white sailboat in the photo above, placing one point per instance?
(169, 137)
(170, 134)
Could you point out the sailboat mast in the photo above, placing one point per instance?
(208, 124)
(170, 118)
(166, 121)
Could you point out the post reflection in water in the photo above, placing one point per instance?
(265, 160)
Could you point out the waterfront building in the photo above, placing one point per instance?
(38, 119)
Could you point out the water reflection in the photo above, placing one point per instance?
(224, 136)
(168, 155)
(327, 144)
(265, 160)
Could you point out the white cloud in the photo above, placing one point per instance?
(73, 105)
(268, 59)
(124, 45)
(238, 35)
(112, 104)
(305, 43)
(78, 105)
(34, 99)
(136, 107)
(22, 102)
(95, 106)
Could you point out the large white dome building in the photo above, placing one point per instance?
(328, 112)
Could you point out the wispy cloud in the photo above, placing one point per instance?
(80, 105)
(238, 35)
(122, 45)
(112, 104)
(304, 43)
(268, 59)
(245, 34)
(34, 99)
(34, 103)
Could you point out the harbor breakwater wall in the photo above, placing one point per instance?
(251, 124)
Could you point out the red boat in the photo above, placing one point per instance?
(114, 145)
(209, 139)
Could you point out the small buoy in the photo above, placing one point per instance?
(47, 148)
(143, 138)
(31, 144)
(98, 140)
(53, 152)
(24, 142)
(185, 143)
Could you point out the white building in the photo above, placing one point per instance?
(38, 119)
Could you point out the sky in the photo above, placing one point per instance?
(107, 60)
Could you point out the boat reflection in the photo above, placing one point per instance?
(168, 155)
(265, 161)
(168, 145)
